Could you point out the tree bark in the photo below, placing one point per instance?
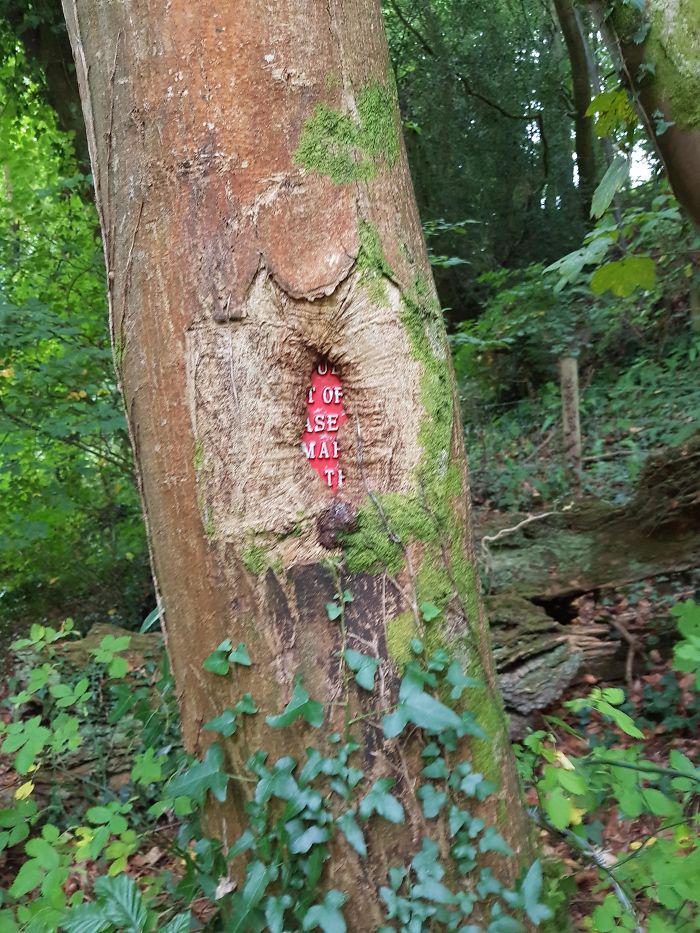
(258, 217)
(583, 125)
(659, 48)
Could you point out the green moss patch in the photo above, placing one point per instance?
(348, 150)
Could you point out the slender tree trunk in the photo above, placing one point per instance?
(571, 426)
(583, 125)
(659, 48)
(258, 222)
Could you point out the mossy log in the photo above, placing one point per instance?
(533, 574)
(598, 546)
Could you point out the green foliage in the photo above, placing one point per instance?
(686, 652)
(294, 810)
(71, 529)
(657, 872)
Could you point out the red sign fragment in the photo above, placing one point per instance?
(324, 415)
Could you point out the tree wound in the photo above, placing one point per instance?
(324, 415)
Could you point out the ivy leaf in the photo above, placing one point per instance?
(352, 832)
(327, 915)
(274, 912)
(429, 612)
(432, 890)
(394, 723)
(363, 666)
(122, 903)
(313, 836)
(436, 769)
(459, 681)
(218, 661)
(246, 704)
(492, 841)
(333, 611)
(433, 801)
(425, 710)
(240, 655)
(300, 705)
(258, 877)
(224, 724)
(201, 777)
(379, 801)
(530, 890)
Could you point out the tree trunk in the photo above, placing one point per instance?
(259, 224)
(583, 125)
(571, 425)
(660, 52)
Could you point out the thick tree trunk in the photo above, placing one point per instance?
(660, 51)
(258, 219)
(575, 40)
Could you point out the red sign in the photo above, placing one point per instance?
(324, 415)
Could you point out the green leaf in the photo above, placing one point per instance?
(87, 918)
(610, 184)
(429, 611)
(432, 800)
(258, 877)
(623, 276)
(492, 841)
(379, 801)
(333, 611)
(558, 809)
(240, 655)
(313, 836)
(364, 667)
(224, 724)
(531, 890)
(147, 768)
(217, 662)
(179, 924)
(274, 912)
(29, 876)
(327, 915)
(432, 890)
(459, 681)
(658, 803)
(246, 704)
(572, 781)
(428, 713)
(122, 903)
(352, 832)
(201, 777)
(300, 706)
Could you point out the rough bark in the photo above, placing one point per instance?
(258, 215)
(659, 48)
(575, 40)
